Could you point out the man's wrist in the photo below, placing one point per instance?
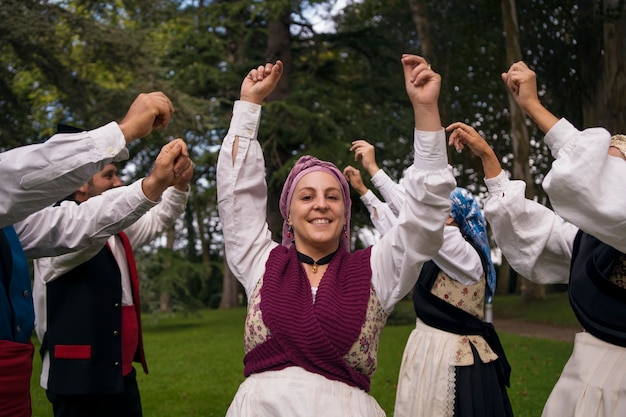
(152, 188)
(251, 99)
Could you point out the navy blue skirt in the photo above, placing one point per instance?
(479, 391)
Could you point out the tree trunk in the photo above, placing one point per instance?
(202, 232)
(164, 298)
(519, 131)
(591, 86)
(602, 66)
(422, 25)
(278, 47)
(614, 67)
(230, 290)
(504, 277)
(164, 302)
(419, 15)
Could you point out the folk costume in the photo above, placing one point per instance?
(300, 360)
(544, 248)
(586, 188)
(34, 177)
(451, 347)
(88, 318)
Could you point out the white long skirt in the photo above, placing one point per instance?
(294, 392)
(593, 381)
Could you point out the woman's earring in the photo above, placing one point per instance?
(345, 231)
(289, 231)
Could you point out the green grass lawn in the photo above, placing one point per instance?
(555, 309)
(195, 364)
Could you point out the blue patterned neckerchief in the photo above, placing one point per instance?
(468, 216)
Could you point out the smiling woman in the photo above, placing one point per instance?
(301, 360)
(315, 205)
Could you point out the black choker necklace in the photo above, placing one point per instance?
(321, 261)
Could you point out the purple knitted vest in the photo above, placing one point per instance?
(313, 336)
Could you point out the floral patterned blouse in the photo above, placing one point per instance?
(469, 298)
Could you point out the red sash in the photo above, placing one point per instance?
(136, 322)
(130, 338)
(16, 367)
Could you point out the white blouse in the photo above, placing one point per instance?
(242, 202)
(586, 185)
(535, 241)
(456, 257)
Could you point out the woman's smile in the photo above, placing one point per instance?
(317, 212)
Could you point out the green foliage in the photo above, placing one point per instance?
(80, 64)
(187, 284)
(83, 61)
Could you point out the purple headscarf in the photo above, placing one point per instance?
(303, 166)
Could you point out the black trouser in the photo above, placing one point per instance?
(126, 404)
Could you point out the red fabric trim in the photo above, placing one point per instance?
(134, 280)
(72, 351)
(16, 366)
(130, 338)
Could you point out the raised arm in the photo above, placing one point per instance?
(465, 135)
(456, 256)
(522, 84)
(241, 186)
(149, 111)
(422, 86)
(585, 181)
(70, 227)
(164, 215)
(535, 241)
(398, 257)
(392, 192)
(381, 215)
(36, 176)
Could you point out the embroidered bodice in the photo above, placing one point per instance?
(469, 298)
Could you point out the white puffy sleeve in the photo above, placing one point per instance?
(242, 197)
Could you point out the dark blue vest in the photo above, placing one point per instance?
(17, 314)
(84, 313)
(599, 304)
